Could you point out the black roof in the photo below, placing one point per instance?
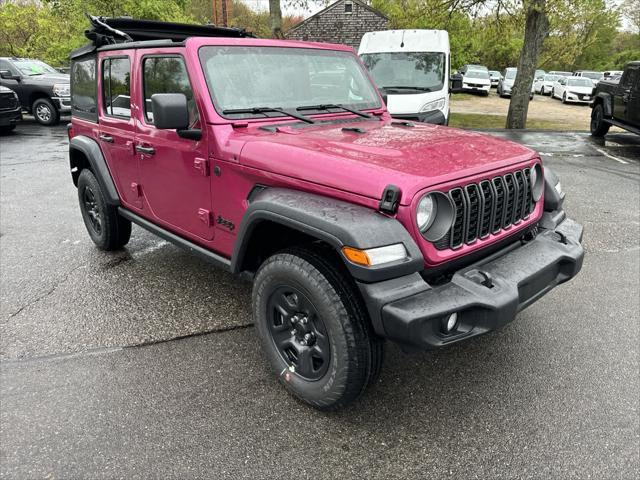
(125, 32)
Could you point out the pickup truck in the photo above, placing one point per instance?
(617, 102)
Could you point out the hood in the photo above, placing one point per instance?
(47, 79)
(381, 153)
(580, 89)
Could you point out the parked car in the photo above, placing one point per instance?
(544, 84)
(42, 90)
(476, 81)
(10, 110)
(595, 77)
(609, 74)
(617, 103)
(561, 74)
(506, 84)
(573, 89)
(466, 67)
(495, 77)
(354, 227)
(410, 67)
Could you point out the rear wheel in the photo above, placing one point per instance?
(314, 328)
(599, 127)
(45, 112)
(107, 229)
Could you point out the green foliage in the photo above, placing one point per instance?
(584, 33)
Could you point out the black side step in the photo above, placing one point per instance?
(208, 255)
(626, 126)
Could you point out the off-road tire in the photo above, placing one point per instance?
(45, 112)
(356, 353)
(107, 229)
(599, 128)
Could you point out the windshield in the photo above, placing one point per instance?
(551, 78)
(420, 70)
(477, 74)
(284, 78)
(592, 75)
(33, 67)
(579, 82)
(494, 73)
(510, 74)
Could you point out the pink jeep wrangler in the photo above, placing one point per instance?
(277, 160)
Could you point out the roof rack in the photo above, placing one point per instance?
(107, 31)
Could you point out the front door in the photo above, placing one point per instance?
(174, 171)
(623, 95)
(117, 127)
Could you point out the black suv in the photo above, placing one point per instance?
(43, 91)
(617, 102)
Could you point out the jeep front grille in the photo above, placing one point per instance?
(488, 207)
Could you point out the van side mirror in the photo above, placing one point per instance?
(170, 111)
(456, 82)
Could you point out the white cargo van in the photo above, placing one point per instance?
(410, 67)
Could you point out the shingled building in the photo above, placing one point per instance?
(344, 21)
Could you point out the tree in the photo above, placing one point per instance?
(535, 31)
(275, 17)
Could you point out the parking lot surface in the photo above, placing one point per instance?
(143, 363)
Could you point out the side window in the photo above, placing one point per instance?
(629, 77)
(83, 88)
(167, 75)
(116, 87)
(5, 65)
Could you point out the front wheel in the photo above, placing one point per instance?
(564, 98)
(599, 127)
(45, 112)
(314, 328)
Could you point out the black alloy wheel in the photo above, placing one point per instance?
(298, 332)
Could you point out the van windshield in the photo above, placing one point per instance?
(420, 71)
(268, 78)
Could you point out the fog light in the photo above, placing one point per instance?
(452, 322)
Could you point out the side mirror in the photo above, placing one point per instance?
(170, 111)
(7, 75)
(456, 83)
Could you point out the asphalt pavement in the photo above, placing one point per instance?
(144, 363)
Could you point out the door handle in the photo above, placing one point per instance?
(106, 138)
(145, 150)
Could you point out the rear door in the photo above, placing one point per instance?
(174, 170)
(623, 95)
(634, 102)
(117, 127)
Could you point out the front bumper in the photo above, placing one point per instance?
(63, 104)
(473, 87)
(10, 117)
(486, 295)
(572, 97)
(436, 117)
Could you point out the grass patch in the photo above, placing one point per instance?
(461, 97)
(478, 120)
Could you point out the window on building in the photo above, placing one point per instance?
(348, 7)
(116, 80)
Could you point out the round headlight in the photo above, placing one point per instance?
(537, 182)
(426, 212)
(434, 215)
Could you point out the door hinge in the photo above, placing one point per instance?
(202, 165)
(135, 188)
(205, 216)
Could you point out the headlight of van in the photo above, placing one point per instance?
(434, 105)
(62, 90)
(434, 215)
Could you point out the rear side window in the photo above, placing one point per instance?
(116, 90)
(166, 75)
(83, 89)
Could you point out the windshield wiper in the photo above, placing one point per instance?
(329, 106)
(399, 87)
(265, 110)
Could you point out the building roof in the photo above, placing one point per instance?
(329, 7)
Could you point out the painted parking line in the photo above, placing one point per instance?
(612, 157)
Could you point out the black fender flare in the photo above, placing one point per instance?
(605, 99)
(92, 152)
(336, 222)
